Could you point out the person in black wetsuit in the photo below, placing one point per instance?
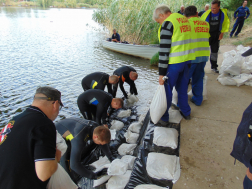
(94, 103)
(98, 80)
(82, 137)
(127, 74)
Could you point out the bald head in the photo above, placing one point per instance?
(133, 76)
(113, 79)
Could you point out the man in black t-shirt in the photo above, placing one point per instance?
(127, 74)
(82, 137)
(115, 36)
(28, 152)
(94, 103)
(98, 80)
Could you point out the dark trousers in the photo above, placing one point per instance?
(239, 23)
(247, 183)
(214, 43)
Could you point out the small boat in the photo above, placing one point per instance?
(143, 51)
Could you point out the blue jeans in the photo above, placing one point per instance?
(239, 23)
(197, 73)
(247, 183)
(178, 76)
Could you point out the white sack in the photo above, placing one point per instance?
(148, 186)
(126, 149)
(174, 116)
(103, 162)
(135, 127)
(113, 134)
(158, 105)
(226, 80)
(124, 113)
(234, 67)
(61, 180)
(117, 125)
(129, 160)
(166, 137)
(241, 49)
(131, 138)
(132, 98)
(247, 66)
(162, 166)
(174, 96)
(204, 89)
(249, 83)
(117, 167)
(119, 181)
(61, 143)
(242, 78)
(141, 118)
(101, 180)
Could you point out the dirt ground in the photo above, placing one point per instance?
(207, 139)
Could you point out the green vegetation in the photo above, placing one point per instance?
(154, 60)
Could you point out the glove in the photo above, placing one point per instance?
(101, 173)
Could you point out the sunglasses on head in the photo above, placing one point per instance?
(50, 99)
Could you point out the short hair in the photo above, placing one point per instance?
(134, 75)
(207, 5)
(114, 78)
(216, 2)
(119, 101)
(51, 93)
(160, 9)
(190, 11)
(103, 133)
(114, 29)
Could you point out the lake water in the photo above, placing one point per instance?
(58, 47)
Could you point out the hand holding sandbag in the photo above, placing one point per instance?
(101, 173)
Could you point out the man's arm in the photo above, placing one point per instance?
(109, 86)
(122, 88)
(106, 150)
(133, 88)
(248, 13)
(235, 13)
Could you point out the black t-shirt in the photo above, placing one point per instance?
(124, 72)
(82, 131)
(27, 138)
(99, 99)
(201, 13)
(96, 80)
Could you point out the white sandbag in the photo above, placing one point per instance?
(61, 180)
(103, 162)
(119, 181)
(231, 53)
(141, 118)
(242, 78)
(162, 166)
(117, 125)
(101, 180)
(148, 186)
(132, 99)
(174, 96)
(248, 83)
(117, 167)
(226, 80)
(113, 134)
(166, 137)
(177, 172)
(234, 67)
(241, 49)
(135, 127)
(126, 149)
(131, 138)
(129, 160)
(247, 66)
(158, 105)
(124, 113)
(61, 143)
(174, 116)
(205, 87)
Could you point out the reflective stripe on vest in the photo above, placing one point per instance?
(182, 49)
(200, 36)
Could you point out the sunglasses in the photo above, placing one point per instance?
(50, 99)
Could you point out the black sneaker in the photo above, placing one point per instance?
(185, 117)
(174, 106)
(215, 70)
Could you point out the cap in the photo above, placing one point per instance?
(51, 93)
(247, 53)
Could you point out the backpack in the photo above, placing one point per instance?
(242, 148)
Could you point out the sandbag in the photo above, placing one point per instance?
(174, 96)
(126, 149)
(135, 127)
(124, 113)
(61, 143)
(132, 99)
(103, 162)
(101, 180)
(166, 137)
(117, 167)
(131, 138)
(119, 181)
(129, 160)
(141, 118)
(205, 87)
(162, 166)
(117, 125)
(242, 78)
(61, 180)
(226, 80)
(113, 134)
(148, 186)
(158, 105)
(247, 66)
(174, 116)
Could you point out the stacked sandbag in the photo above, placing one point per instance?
(236, 69)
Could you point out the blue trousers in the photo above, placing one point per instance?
(197, 73)
(178, 76)
(247, 183)
(239, 23)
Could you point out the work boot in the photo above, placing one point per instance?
(185, 117)
(163, 123)
(193, 102)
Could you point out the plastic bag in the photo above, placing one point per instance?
(101, 180)
(158, 105)
(124, 113)
(117, 125)
(117, 167)
(132, 99)
(61, 180)
(131, 138)
(129, 160)
(226, 80)
(135, 127)
(119, 181)
(242, 78)
(61, 143)
(126, 149)
(149, 186)
(166, 137)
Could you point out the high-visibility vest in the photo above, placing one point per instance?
(200, 36)
(226, 21)
(181, 48)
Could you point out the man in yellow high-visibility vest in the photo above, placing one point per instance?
(175, 55)
(200, 40)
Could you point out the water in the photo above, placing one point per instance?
(58, 47)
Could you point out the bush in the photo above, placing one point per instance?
(154, 60)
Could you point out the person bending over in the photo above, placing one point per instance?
(82, 137)
(94, 103)
(98, 80)
(127, 74)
